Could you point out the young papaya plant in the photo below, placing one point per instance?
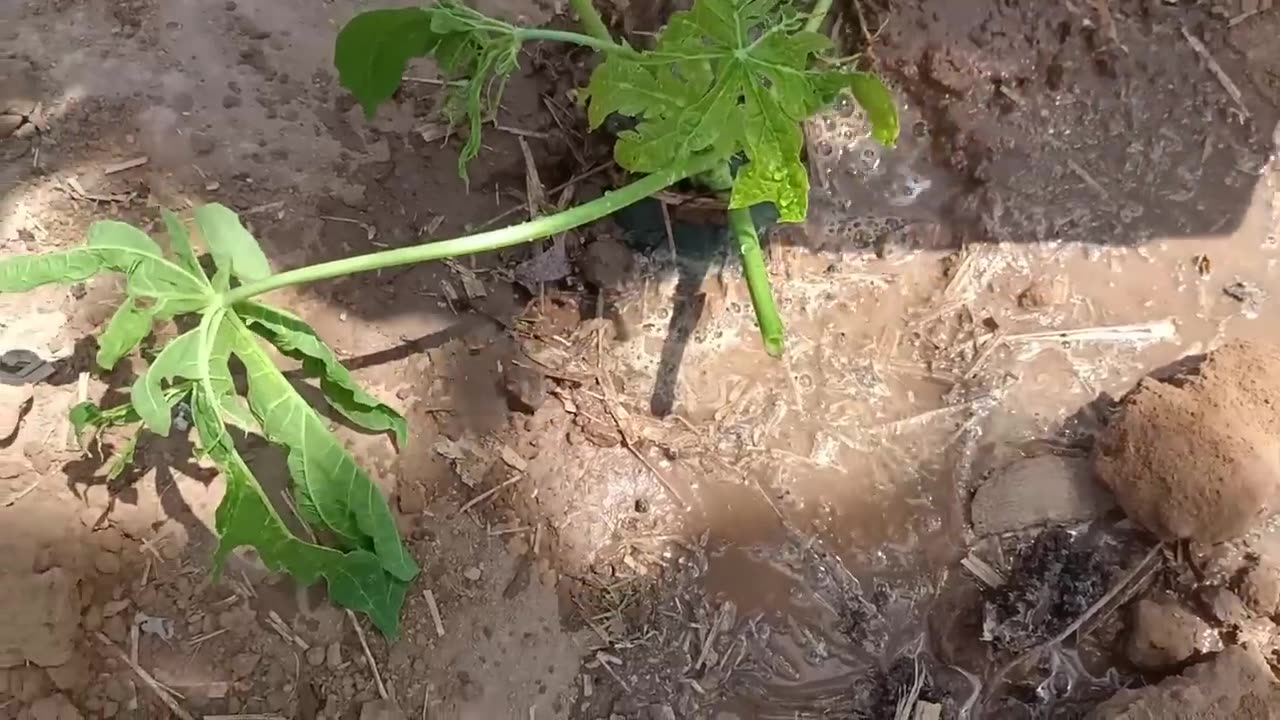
(719, 99)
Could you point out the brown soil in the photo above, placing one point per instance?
(1236, 684)
(1196, 456)
(696, 531)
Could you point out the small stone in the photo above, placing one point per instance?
(1045, 293)
(231, 101)
(381, 710)
(39, 456)
(1223, 605)
(333, 655)
(107, 563)
(54, 707)
(109, 539)
(1260, 589)
(661, 712)
(115, 629)
(70, 676)
(315, 656)
(242, 665)
(1164, 634)
(1042, 490)
(92, 619)
(411, 498)
(472, 573)
(525, 387)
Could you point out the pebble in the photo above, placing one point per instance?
(107, 563)
(1224, 605)
(242, 665)
(1164, 634)
(333, 655)
(472, 573)
(1261, 589)
(115, 629)
(315, 656)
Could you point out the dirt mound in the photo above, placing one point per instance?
(1236, 683)
(1195, 455)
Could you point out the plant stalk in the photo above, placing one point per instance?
(744, 231)
(820, 10)
(534, 229)
(590, 19)
(604, 45)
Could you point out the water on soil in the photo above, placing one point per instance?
(1077, 199)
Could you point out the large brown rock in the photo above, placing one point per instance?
(1197, 455)
(1236, 684)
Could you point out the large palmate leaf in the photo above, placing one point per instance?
(293, 337)
(477, 53)
(732, 76)
(371, 573)
(326, 478)
(355, 579)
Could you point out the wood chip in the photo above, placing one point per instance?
(435, 612)
(125, 165)
(983, 571)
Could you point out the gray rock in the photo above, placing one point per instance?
(1043, 490)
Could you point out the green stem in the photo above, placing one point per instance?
(605, 44)
(820, 10)
(590, 19)
(744, 231)
(534, 229)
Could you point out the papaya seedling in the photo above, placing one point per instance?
(718, 99)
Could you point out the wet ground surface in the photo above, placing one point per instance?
(1079, 198)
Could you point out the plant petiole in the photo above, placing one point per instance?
(590, 19)
(524, 232)
(753, 267)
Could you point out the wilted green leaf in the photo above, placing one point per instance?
(374, 48)
(124, 456)
(127, 327)
(474, 51)
(732, 76)
(293, 337)
(323, 472)
(234, 249)
(876, 100)
(355, 579)
(180, 358)
(180, 243)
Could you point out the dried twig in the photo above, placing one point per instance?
(1216, 69)
(114, 168)
(571, 181)
(489, 493)
(435, 612)
(14, 498)
(249, 716)
(1139, 332)
(988, 575)
(373, 665)
(150, 682)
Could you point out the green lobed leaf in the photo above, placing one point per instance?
(180, 358)
(374, 48)
(731, 76)
(297, 340)
(88, 416)
(474, 51)
(324, 473)
(124, 456)
(127, 327)
(180, 243)
(355, 579)
(235, 251)
(112, 245)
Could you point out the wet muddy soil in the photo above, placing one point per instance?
(680, 526)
